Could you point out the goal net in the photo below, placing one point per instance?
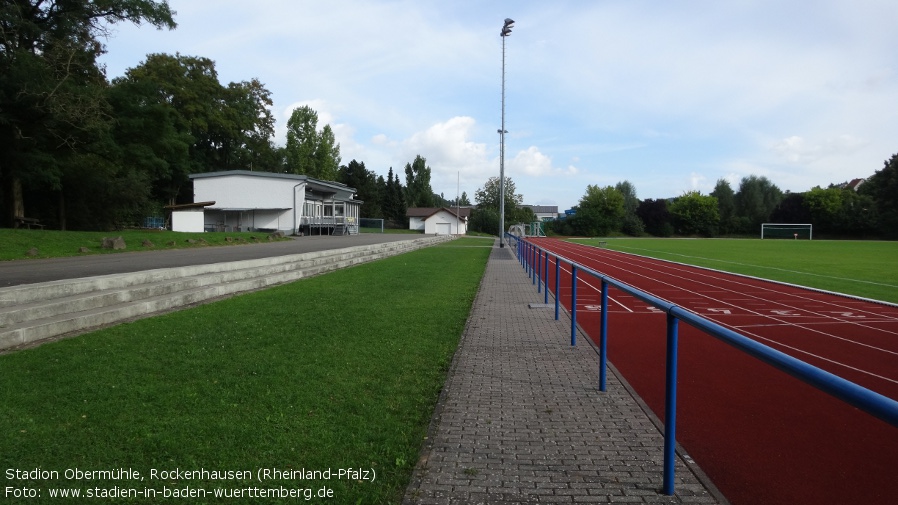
(371, 225)
(787, 231)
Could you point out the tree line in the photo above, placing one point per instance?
(839, 211)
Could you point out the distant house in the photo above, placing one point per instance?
(439, 220)
(543, 212)
(854, 184)
(242, 200)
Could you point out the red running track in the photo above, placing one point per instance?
(762, 436)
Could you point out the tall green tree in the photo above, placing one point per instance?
(599, 211)
(53, 111)
(249, 127)
(656, 217)
(224, 127)
(695, 214)
(308, 151)
(393, 200)
(355, 175)
(302, 140)
(631, 224)
(488, 196)
(418, 192)
(882, 188)
(755, 202)
(327, 155)
(726, 206)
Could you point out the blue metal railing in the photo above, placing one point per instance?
(869, 401)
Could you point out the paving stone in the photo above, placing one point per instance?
(522, 410)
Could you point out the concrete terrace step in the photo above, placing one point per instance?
(34, 312)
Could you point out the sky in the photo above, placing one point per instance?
(670, 96)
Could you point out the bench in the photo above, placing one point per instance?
(28, 222)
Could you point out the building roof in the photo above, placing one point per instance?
(542, 209)
(854, 184)
(319, 184)
(186, 206)
(426, 212)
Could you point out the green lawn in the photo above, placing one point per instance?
(860, 268)
(15, 244)
(336, 371)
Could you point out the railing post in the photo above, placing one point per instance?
(539, 269)
(670, 406)
(529, 255)
(603, 337)
(546, 280)
(573, 304)
(557, 284)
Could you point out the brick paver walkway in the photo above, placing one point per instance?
(521, 419)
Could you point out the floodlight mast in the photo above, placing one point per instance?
(506, 31)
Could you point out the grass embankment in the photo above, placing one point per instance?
(336, 371)
(15, 244)
(858, 268)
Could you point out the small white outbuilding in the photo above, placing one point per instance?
(439, 220)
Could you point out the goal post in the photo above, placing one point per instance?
(787, 231)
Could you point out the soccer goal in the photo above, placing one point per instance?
(371, 225)
(787, 231)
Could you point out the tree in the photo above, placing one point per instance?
(726, 206)
(302, 140)
(250, 127)
(463, 200)
(656, 217)
(599, 211)
(327, 155)
(180, 98)
(488, 197)
(631, 224)
(393, 198)
(355, 175)
(695, 214)
(823, 206)
(418, 192)
(52, 104)
(755, 202)
(791, 210)
(310, 152)
(882, 188)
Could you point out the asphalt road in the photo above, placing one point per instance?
(28, 271)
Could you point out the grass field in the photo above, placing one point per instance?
(15, 244)
(336, 371)
(859, 268)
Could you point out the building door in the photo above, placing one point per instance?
(444, 228)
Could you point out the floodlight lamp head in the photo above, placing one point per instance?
(506, 29)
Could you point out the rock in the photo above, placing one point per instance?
(171, 243)
(33, 252)
(229, 239)
(83, 250)
(148, 243)
(116, 244)
(276, 235)
(191, 241)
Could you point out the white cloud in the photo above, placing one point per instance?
(799, 150)
(531, 162)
